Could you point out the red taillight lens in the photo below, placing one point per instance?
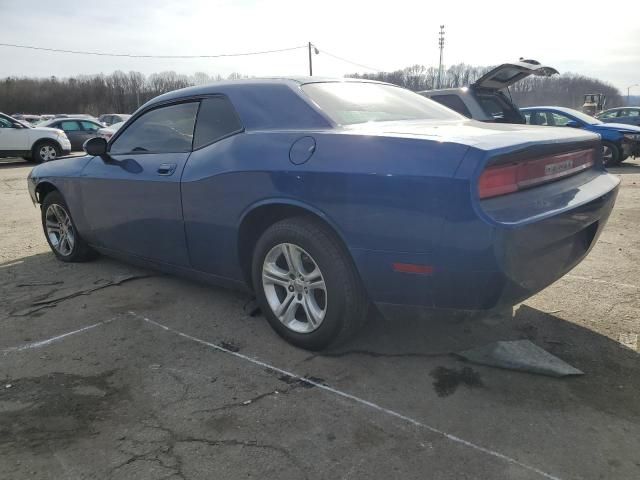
(511, 177)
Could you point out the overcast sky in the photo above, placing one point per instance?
(601, 40)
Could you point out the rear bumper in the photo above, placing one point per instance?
(502, 262)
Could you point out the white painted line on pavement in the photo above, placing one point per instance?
(354, 398)
(597, 280)
(48, 341)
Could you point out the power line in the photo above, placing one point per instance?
(349, 61)
(130, 55)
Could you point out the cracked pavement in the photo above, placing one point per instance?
(129, 399)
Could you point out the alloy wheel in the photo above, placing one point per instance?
(60, 229)
(294, 288)
(48, 152)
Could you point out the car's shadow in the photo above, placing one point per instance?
(626, 167)
(612, 371)
(9, 163)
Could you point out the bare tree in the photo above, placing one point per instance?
(566, 90)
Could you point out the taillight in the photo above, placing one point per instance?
(512, 177)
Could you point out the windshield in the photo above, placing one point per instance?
(584, 117)
(348, 103)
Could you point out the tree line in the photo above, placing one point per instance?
(122, 92)
(118, 92)
(566, 90)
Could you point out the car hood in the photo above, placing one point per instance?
(620, 127)
(482, 135)
(509, 73)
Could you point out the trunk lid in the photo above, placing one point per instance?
(509, 73)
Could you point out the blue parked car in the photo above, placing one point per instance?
(619, 141)
(325, 196)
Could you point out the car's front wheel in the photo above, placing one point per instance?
(306, 284)
(45, 151)
(610, 154)
(60, 231)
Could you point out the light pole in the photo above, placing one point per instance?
(441, 44)
(316, 51)
(629, 92)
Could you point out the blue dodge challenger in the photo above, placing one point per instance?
(326, 196)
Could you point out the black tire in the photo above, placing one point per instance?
(615, 154)
(37, 153)
(346, 303)
(80, 251)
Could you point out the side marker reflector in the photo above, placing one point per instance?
(413, 268)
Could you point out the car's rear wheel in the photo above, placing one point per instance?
(60, 231)
(306, 284)
(610, 154)
(45, 151)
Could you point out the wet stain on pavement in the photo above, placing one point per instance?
(447, 380)
(54, 408)
(232, 347)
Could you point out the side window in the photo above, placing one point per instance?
(5, 123)
(611, 114)
(216, 119)
(632, 113)
(69, 126)
(89, 126)
(527, 117)
(161, 130)
(560, 120)
(538, 118)
(453, 102)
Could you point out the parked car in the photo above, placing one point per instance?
(630, 115)
(108, 132)
(78, 129)
(30, 119)
(485, 99)
(109, 119)
(38, 144)
(619, 141)
(322, 196)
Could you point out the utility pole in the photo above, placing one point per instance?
(441, 44)
(310, 62)
(629, 93)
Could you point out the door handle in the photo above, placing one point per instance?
(167, 168)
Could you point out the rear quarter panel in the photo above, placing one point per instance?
(381, 194)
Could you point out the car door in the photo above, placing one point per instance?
(204, 188)
(630, 116)
(13, 136)
(74, 133)
(89, 130)
(131, 197)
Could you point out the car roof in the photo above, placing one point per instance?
(253, 83)
(446, 91)
(570, 111)
(67, 119)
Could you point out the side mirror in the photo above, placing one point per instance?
(572, 124)
(96, 146)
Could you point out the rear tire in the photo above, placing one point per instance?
(45, 151)
(335, 305)
(611, 155)
(61, 232)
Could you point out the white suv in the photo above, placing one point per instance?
(37, 144)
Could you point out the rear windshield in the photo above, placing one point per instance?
(359, 102)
